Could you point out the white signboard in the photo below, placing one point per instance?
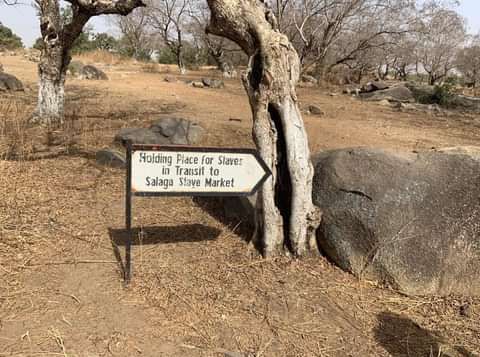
(190, 171)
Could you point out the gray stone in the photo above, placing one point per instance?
(198, 85)
(180, 131)
(111, 158)
(10, 82)
(1, 68)
(411, 221)
(170, 79)
(92, 73)
(399, 94)
(315, 110)
(374, 86)
(140, 136)
(167, 131)
(213, 83)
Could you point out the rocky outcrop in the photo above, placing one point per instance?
(167, 131)
(411, 221)
(92, 73)
(9, 82)
(398, 93)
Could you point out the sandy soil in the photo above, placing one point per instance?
(198, 288)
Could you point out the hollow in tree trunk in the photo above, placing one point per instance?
(286, 216)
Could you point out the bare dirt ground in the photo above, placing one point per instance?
(198, 289)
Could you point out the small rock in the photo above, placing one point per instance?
(170, 79)
(92, 73)
(198, 84)
(466, 310)
(314, 110)
(140, 136)
(111, 158)
(374, 86)
(213, 83)
(399, 93)
(166, 131)
(10, 82)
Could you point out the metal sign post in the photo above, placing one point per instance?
(154, 170)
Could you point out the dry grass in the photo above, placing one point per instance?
(14, 140)
(104, 57)
(198, 289)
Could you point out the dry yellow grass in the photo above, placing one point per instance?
(198, 289)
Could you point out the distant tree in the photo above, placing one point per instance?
(440, 35)
(468, 62)
(59, 31)
(8, 40)
(330, 33)
(216, 47)
(38, 44)
(136, 38)
(170, 19)
(103, 41)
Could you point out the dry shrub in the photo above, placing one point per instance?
(102, 56)
(22, 140)
(14, 142)
(150, 68)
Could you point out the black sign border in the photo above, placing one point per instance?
(131, 148)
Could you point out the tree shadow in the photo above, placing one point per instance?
(189, 233)
(215, 207)
(402, 337)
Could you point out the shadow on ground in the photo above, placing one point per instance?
(188, 233)
(215, 207)
(402, 337)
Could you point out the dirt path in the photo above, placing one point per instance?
(198, 289)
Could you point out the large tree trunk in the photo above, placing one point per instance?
(57, 39)
(50, 106)
(286, 216)
(51, 92)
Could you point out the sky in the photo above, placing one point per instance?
(23, 21)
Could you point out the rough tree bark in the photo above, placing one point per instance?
(58, 38)
(286, 216)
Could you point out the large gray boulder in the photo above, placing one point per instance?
(398, 93)
(411, 221)
(167, 131)
(374, 86)
(9, 82)
(213, 83)
(92, 73)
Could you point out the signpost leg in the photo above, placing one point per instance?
(128, 214)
